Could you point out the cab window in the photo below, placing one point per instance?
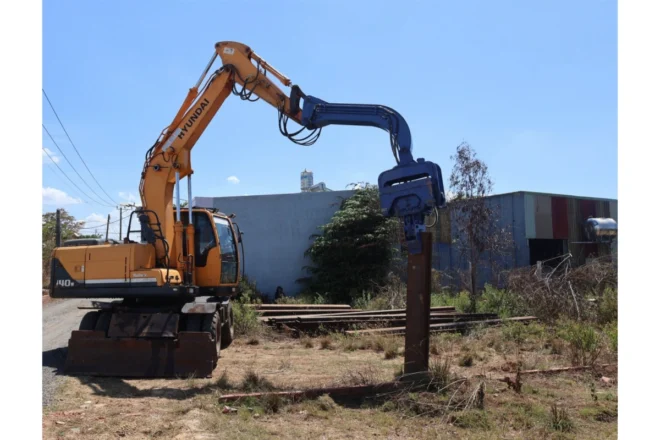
(228, 258)
(204, 237)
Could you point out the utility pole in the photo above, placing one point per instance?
(121, 209)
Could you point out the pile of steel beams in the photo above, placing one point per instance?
(312, 318)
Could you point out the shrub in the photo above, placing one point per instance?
(611, 332)
(246, 319)
(500, 301)
(460, 301)
(608, 306)
(583, 340)
(354, 250)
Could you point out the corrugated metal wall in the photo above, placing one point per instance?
(543, 217)
(559, 218)
(530, 215)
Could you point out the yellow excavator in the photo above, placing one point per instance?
(172, 277)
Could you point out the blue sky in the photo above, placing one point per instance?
(531, 85)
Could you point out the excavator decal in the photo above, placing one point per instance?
(197, 113)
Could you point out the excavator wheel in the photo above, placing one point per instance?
(228, 329)
(211, 324)
(103, 323)
(89, 321)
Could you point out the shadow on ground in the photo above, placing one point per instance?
(55, 359)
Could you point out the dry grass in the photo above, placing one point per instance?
(108, 408)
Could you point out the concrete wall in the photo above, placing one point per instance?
(276, 232)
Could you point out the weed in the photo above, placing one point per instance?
(306, 342)
(365, 376)
(285, 364)
(379, 344)
(434, 350)
(584, 341)
(467, 360)
(223, 381)
(325, 403)
(559, 419)
(440, 373)
(246, 318)
(253, 341)
(252, 382)
(514, 331)
(391, 349)
(592, 391)
(398, 372)
(390, 353)
(326, 343)
(599, 414)
(461, 301)
(271, 403)
(388, 406)
(556, 346)
(472, 419)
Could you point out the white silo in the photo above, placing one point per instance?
(306, 180)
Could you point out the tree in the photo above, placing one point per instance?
(478, 236)
(69, 228)
(354, 250)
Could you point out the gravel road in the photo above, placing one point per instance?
(59, 318)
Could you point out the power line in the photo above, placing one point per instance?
(102, 225)
(74, 147)
(74, 168)
(65, 182)
(74, 184)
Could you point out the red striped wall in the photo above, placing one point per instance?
(560, 218)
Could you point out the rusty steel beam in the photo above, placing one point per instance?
(334, 392)
(452, 326)
(418, 308)
(299, 306)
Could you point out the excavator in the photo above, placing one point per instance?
(172, 278)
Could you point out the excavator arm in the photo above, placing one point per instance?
(410, 190)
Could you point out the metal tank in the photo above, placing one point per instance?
(601, 230)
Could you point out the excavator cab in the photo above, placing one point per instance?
(217, 262)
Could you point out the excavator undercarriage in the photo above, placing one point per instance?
(132, 339)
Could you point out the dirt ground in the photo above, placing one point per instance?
(103, 408)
